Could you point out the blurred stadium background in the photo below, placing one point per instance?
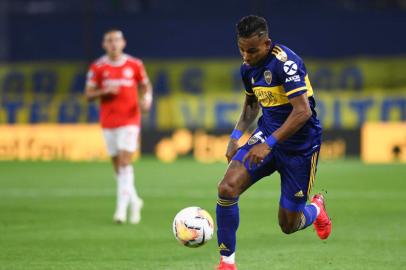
(355, 52)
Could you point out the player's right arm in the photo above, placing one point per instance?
(248, 115)
(93, 88)
(92, 93)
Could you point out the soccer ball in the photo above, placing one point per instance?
(193, 226)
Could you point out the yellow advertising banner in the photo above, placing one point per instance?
(210, 148)
(205, 94)
(338, 109)
(383, 142)
(76, 142)
(84, 142)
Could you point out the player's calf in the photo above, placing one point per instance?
(289, 226)
(127, 194)
(235, 181)
(289, 221)
(298, 218)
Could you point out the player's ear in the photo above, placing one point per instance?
(268, 43)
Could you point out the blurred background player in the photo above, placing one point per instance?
(287, 139)
(114, 78)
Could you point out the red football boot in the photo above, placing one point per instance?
(226, 266)
(322, 224)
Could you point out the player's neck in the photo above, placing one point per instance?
(115, 58)
(263, 60)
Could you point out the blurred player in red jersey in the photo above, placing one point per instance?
(114, 79)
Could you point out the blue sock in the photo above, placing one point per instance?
(310, 214)
(228, 218)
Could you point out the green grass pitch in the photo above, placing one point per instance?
(58, 215)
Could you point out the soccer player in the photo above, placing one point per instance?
(287, 139)
(114, 79)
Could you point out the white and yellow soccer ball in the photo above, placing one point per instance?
(193, 226)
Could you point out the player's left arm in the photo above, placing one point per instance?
(145, 87)
(299, 115)
(293, 75)
(146, 95)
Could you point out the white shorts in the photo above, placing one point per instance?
(121, 139)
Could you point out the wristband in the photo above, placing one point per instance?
(236, 134)
(271, 141)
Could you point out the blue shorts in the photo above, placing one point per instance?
(297, 171)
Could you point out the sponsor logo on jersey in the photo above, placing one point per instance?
(119, 82)
(264, 95)
(128, 72)
(290, 68)
(268, 76)
(106, 73)
(295, 78)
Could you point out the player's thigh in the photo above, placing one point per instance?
(111, 140)
(298, 172)
(260, 170)
(127, 138)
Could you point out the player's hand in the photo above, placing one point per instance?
(110, 90)
(146, 102)
(232, 148)
(257, 154)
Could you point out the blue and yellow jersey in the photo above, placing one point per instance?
(280, 77)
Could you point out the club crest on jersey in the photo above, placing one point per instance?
(268, 76)
(252, 80)
(128, 72)
(290, 68)
(253, 140)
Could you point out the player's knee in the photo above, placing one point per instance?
(123, 162)
(227, 189)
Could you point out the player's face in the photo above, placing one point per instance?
(114, 43)
(254, 49)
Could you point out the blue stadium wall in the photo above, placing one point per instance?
(172, 29)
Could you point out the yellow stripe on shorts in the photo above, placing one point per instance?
(312, 172)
